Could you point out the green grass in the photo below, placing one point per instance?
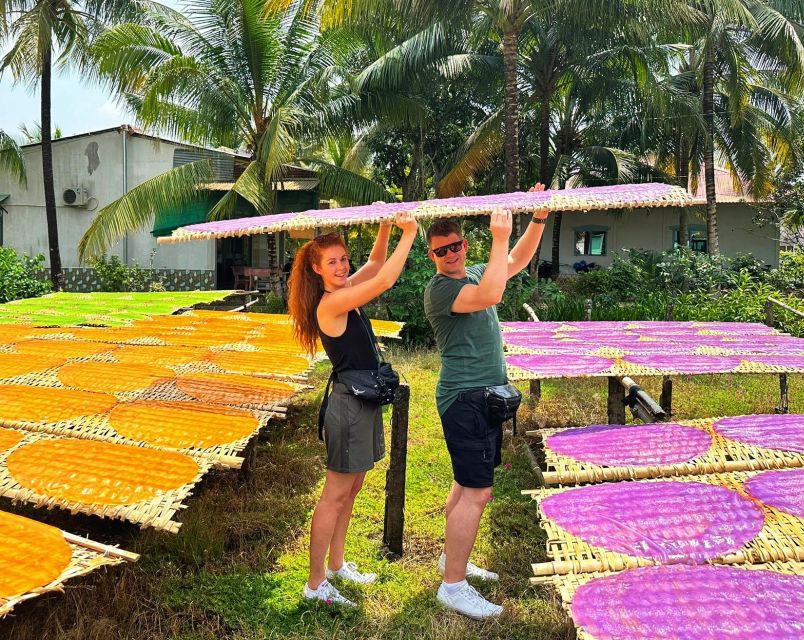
(237, 567)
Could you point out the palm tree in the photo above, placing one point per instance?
(247, 74)
(743, 48)
(40, 31)
(33, 135)
(11, 160)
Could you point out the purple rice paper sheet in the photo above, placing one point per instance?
(692, 603)
(783, 432)
(685, 364)
(783, 490)
(640, 445)
(666, 521)
(562, 366)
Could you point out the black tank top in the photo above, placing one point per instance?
(354, 348)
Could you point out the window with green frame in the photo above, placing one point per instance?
(697, 237)
(591, 241)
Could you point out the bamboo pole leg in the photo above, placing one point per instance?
(249, 465)
(616, 401)
(666, 399)
(784, 400)
(535, 387)
(394, 525)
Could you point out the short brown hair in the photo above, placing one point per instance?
(443, 227)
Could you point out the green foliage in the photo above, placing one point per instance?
(21, 276)
(113, 275)
(789, 277)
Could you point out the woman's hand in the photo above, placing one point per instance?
(539, 213)
(406, 222)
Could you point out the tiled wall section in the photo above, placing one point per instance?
(84, 280)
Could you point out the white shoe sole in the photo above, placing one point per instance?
(446, 605)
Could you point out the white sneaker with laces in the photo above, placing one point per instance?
(472, 570)
(468, 602)
(350, 573)
(327, 593)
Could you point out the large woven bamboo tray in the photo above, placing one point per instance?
(585, 199)
(696, 452)
(36, 558)
(671, 598)
(214, 434)
(141, 485)
(779, 535)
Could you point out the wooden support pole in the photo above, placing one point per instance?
(588, 307)
(394, 526)
(769, 312)
(666, 399)
(616, 401)
(535, 387)
(784, 400)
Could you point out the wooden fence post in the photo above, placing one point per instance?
(666, 398)
(784, 399)
(616, 401)
(588, 307)
(394, 526)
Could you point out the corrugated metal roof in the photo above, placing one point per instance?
(307, 184)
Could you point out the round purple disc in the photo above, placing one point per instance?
(692, 603)
(687, 364)
(559, 366)
(781, 489)
(666, 521)
(640, 445)
(784, 432)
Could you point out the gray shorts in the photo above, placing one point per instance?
(353, 432)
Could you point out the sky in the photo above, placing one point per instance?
(77, 106)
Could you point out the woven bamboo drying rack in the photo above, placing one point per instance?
(87, 557)
(157, 512)
(159, 388)
(568, 585)
(780, 540)
(583, 199)
(724, 455)
(620, 368)
(98, 426)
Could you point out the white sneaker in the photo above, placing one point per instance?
(350, 573)
(472, 570)
(468, 602)
(327, 593)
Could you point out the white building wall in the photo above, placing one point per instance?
(94, 162)
(652, 229)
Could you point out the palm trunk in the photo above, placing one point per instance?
(544, 163)
(683, 177)
(713, 246)
(557, 216)
(511, 117)
(56, 275)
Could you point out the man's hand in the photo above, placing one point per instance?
(501, 224)
(539, 213)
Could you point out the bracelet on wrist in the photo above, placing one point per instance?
(536, 220)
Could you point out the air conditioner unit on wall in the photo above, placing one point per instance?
(75, 196)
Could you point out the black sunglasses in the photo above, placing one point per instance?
(455, 247)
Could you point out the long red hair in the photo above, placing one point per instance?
(305, 289)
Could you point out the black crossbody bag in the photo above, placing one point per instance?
(502, 402)
(371, 385)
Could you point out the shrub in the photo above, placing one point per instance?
(113, 275)
(22, 276)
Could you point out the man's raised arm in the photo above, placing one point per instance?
(526, 246)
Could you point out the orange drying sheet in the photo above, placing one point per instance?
(101, 473)
(9, 438)
(260, 363)
(180, 425)
(63, 348)
(231, 388)
(20, 364)
(32, 555)
(112, 377)
(43, 404)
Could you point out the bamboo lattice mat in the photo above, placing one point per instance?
(691, 519)
(686, 602)
(36, 558)
(601, 453)
(583, 199)
(215, 433)
(141, 485)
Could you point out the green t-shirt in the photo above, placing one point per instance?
(470, 343)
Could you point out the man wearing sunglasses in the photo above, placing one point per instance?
(460, 304)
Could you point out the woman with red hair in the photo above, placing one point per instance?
(324, 303)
